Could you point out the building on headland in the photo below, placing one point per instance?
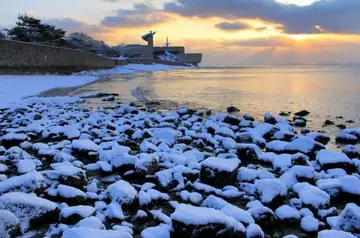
(149, 53)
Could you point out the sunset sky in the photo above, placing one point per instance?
(228, 32)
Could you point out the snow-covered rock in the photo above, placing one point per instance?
(29, 182)
(122, 192)
(189, 221)
(311, 196)
(332, 159)
(72, 215)
(9, 224)
(219, 172)
(30, 209)
(349, 219)
(85, 232)
(271, 191)
(287, 213)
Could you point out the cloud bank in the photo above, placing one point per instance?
(336, 16)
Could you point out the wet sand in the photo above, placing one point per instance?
(71, 91)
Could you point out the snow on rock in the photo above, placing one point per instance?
(333, 233)
(219, 172)
(287, 213)
(304, 145)
(67, 174)
(311, 196)
(165, 134)
(115, 211)
(351, 151)
(72, 215)
(69, 192)
(343, 137)
(254, 231)
(9, 224)
(122, 192)
(29, 182)
(162, 231)
(246, 175)
(84, 146)
(332, 159)
(228, 209)
(25, 166)
(86, 232)
(330, 186)
(91, 222)
(30, 209)
(271, 191)
(309, 224)
(123, 160)
(349, 219)
(350, 185)
(188, 221)
(13, 139)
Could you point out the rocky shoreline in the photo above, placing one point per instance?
(128, 170)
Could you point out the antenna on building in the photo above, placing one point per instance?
(167, 42)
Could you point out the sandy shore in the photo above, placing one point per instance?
(69, 91)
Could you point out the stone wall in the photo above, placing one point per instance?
(27, 57)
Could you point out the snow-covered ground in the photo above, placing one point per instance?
(15, 87)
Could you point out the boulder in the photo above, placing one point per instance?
(349, 219)
(332, 159)
(302, 113)
(219, 172)
(122, 192)
(232, 109)
(272, 192)
(72, 215)
(28, 183)
(12, 139)
(30, 209)
(9, 224)
(190, 221)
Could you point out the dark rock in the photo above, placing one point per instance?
(300, 123)
(248, 117)
(232, 120)
(349, 121)
(328, 123)
(351, 151)
(263, 216)
(248, 152)
(232, 109)
(284, 114)
(269, 118)
(341, 126)
(302, 113)
(11, 139)
(346, 138)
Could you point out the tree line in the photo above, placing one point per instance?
(30, 29)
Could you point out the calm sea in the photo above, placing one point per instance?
(327, 92)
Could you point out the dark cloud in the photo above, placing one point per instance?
(336, 16)
(231, 26)
(141, 15)
(72, 25)
(274, 41)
